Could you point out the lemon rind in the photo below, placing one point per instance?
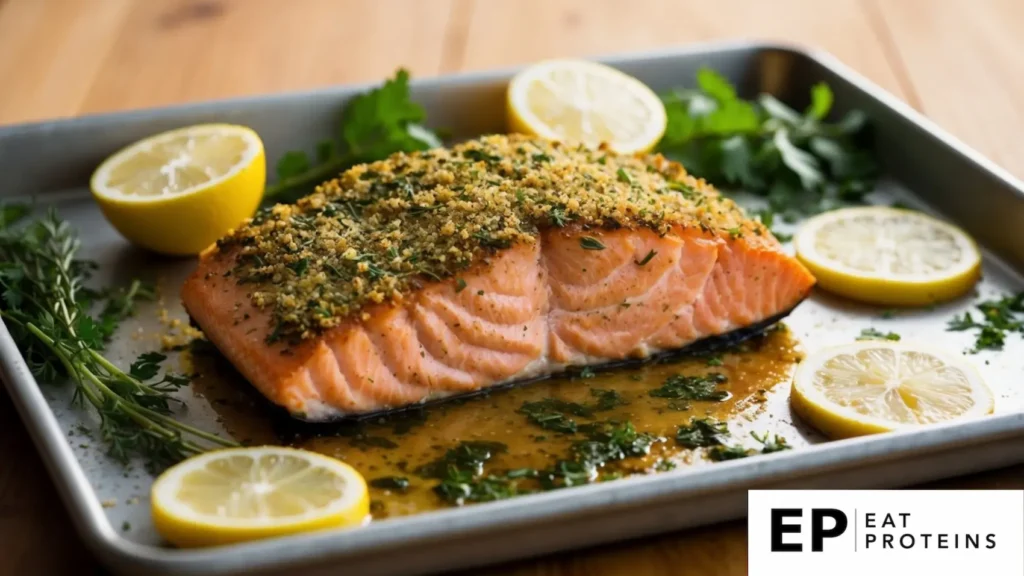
(839, 422)
(523, 119)
(99, 177)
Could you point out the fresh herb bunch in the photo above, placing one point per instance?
(799, 162)
(373, 126)
(45, 305)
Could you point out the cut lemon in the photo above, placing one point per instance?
(585, 102)
(244, 494)
(872, 387)
(888, 256)
(179, 191)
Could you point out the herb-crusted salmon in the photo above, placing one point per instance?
(448, 271)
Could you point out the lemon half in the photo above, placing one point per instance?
(244, 494)
(888, 256)
(871, 387)
(585, 102)
(178, 192)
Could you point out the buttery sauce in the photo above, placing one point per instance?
(396, 446)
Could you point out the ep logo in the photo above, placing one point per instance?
(822, 523)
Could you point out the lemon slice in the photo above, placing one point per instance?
(585, 102)
(888, 256)
(179, 191)
(244, 494)
(872, 387)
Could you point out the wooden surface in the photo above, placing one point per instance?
(958, 61)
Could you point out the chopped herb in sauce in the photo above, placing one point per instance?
(607, 399)
(704, 388)
(398, 483)
(715, 360)
(722, 453)
(702, 433)
(553, 414)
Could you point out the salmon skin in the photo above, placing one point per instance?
(505, 259)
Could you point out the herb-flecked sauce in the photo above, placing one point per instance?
(525, 438)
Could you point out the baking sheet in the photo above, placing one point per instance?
(110, 503)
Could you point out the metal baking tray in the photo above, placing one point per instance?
(926, 167)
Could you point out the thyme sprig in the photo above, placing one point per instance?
(45, 304)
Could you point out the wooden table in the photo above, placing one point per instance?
(958, 61)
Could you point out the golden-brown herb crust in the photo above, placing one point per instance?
(370, 235)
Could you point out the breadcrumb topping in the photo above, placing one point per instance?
(379, 230)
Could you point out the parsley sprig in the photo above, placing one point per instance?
(45, 305)
(373, 126)
(801, 163)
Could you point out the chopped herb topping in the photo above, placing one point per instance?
(607, 399)
(460, 285)
(769, 445)
(873, 334)
(722, 453)
(680, 387)
(702, 433)
(379, 230)
(397, 483)
(648, 258)
(998, 317)
(553, 414)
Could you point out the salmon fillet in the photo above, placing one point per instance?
(503, 259)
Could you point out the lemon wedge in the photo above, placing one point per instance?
(178, 192)
(245, 494)
(888, 256)
(871, 387)
(585, 102)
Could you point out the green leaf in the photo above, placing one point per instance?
(146, 366)
(821, 101)
(324, 151)
(12, 213)
(591, 243)
(737, 163)
(715, 85)
(731, 117)
(292, 164)
(376, 124)
(89, 332)
(776, 109)
(802, 163)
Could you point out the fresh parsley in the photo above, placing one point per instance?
(373, 126)
(799, 162)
